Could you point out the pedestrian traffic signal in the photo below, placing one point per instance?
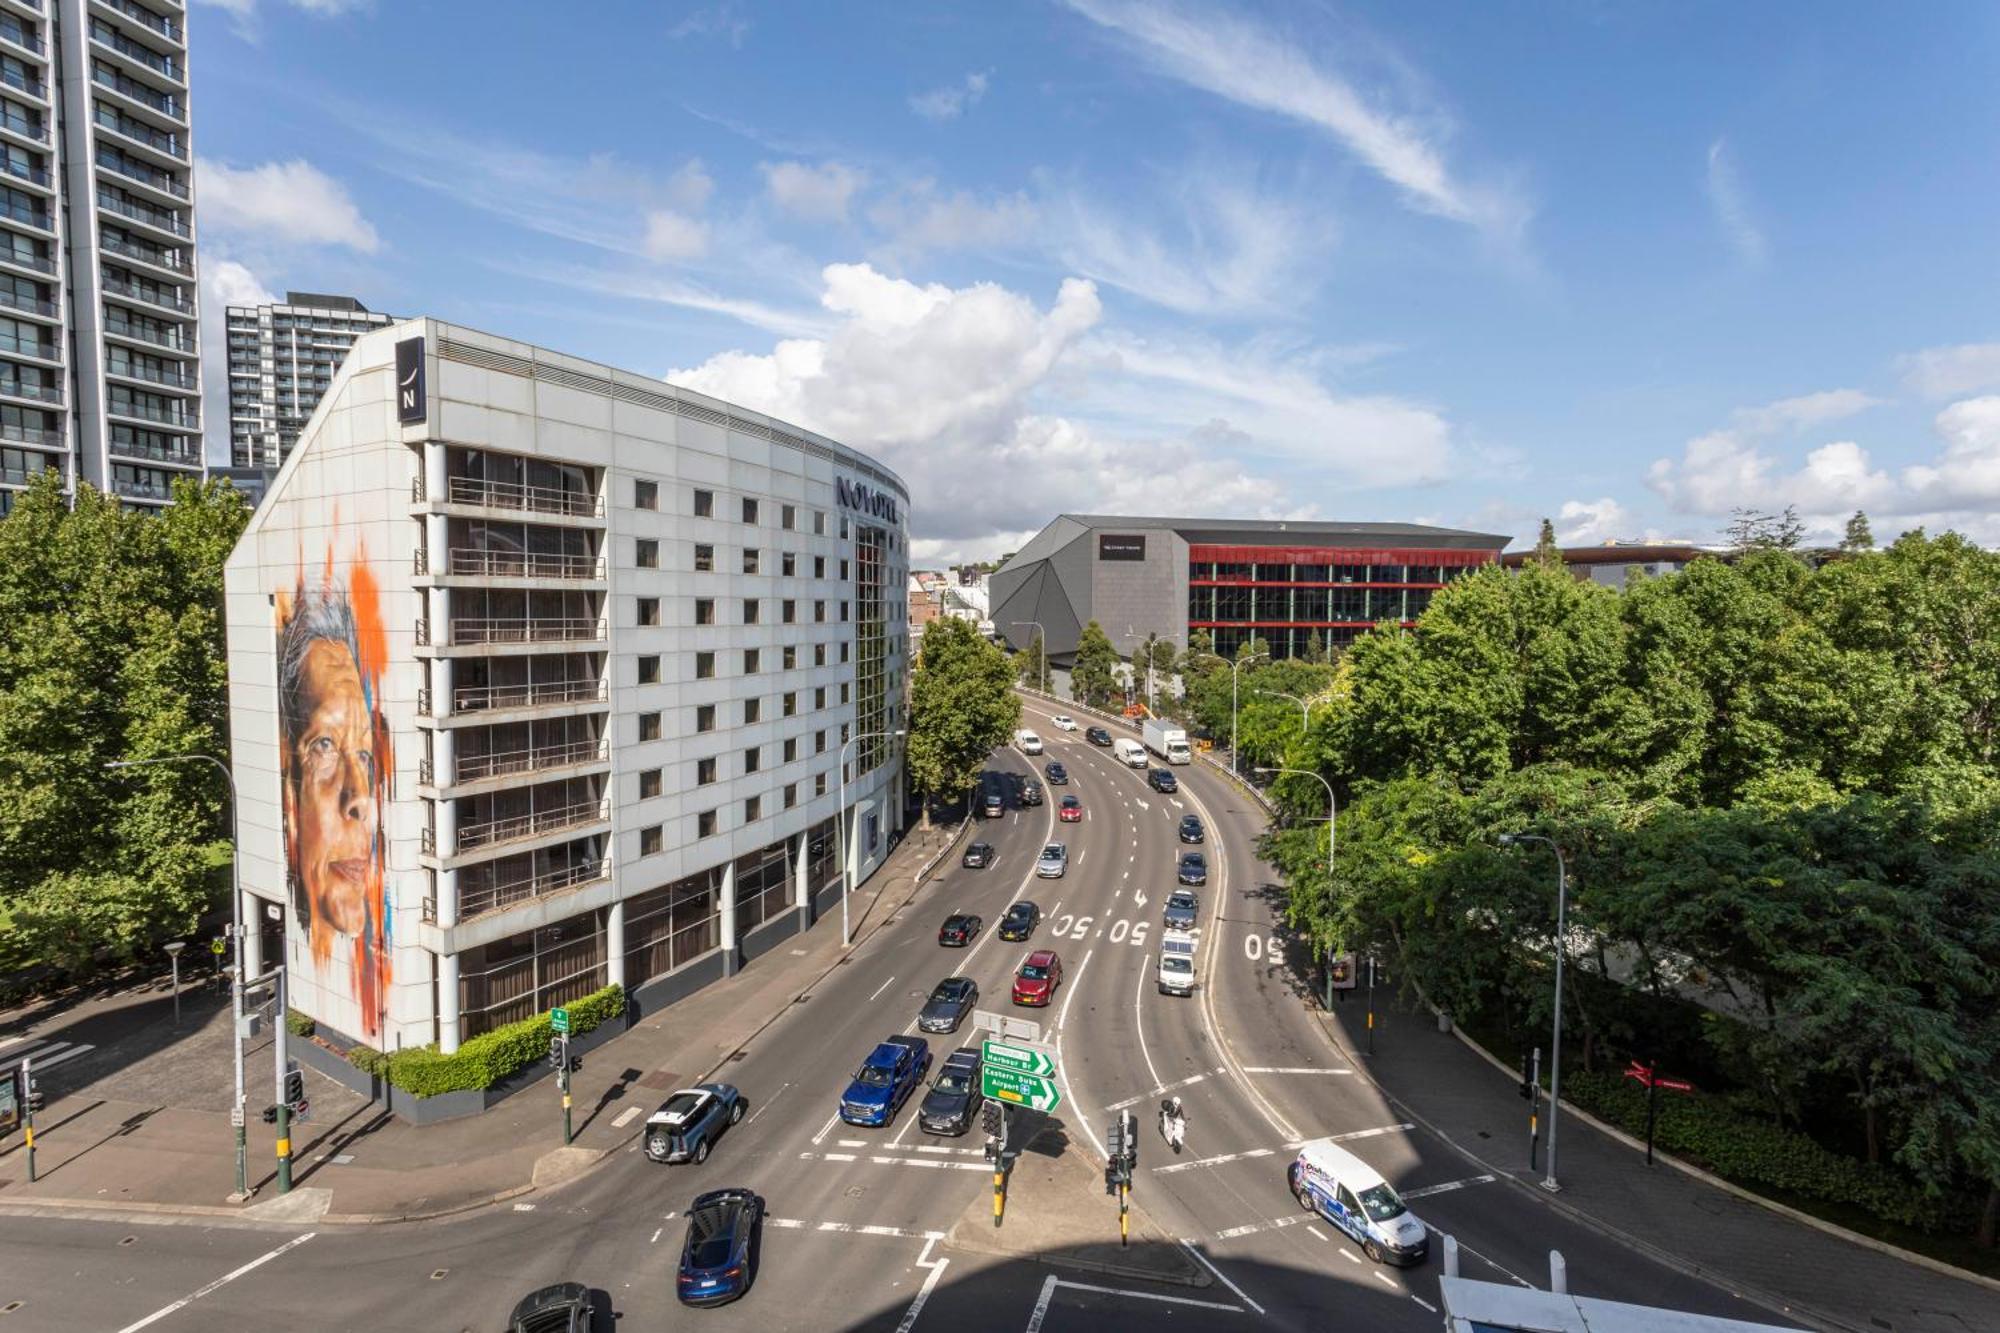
(1111, 1180)
(270, 1115)
(295, 1088)
(1527, 1077)
(34, 1099)
(555, 1052)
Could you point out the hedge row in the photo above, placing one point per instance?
(487, 1058)
(1751, 1151)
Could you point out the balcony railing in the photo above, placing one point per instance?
(23, 171)
(526, 629)
(22, 259)
(125, 46)
(150, 295)
(152, 217)
(15, 343)
(16, 433)
(22, 38)
(487, 698)
(139, 370)
(168, 335)
(27, 83)
(159, 23)
(524, 564)
(29, 217)
(24, 127)
(18, 476)
(479, 767)
(41, 393)
(516, 827)
(164, 103)
(131, 407)
(508, 495)
(145, 490)
(140, 172)
(485, 898)
(146, 255)
(13, 300)
(170, 144)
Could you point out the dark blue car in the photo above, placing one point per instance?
(717, 1262)
(892, 1071)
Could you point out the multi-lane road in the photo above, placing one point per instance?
(858, 1217)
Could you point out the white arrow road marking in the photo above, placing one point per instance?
(1142, 803)
(1177, 804)
(1139, 897)
(1217, 1161)
(1447, 1186)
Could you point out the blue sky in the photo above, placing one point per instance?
(1624, 265)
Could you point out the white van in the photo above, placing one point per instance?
(1176, 975)
(1029, 742)
(1346, 1191)
(1129, 752)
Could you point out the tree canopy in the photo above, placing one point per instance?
(962, 708)
(1093, 675)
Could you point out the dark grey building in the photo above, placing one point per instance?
(1236, 579)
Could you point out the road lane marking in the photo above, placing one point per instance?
(879, 989)
(1139, 1023)
(1155, 1091)
(1349, 1255)
(897, 1233)
(1371, 1133)
(1072, 985)
(1385, 1280)
(1214, 1161)
(1241, 1295)
(890, 1159)
(1042, 1305)
(1145, 1295)
(1447, 1186)
(760, 1110)
(1291, 1069)
(937, 1267)
(1421, 1301)
(1069, 1094)
(1249, 1228)
(222, 1281)
(656, 1236)
(627, 1116)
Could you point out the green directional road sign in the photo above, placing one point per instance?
(1007, 1085)
(1017, 1059)
(559, 1020)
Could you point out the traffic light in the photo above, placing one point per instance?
(993, 1119)
(1114, 1141)
(1111, 1180)
(295, 1088)
(555, 1052)
(1527, 1077)
(34, 1098)
(270, 1115)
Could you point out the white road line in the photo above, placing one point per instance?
(1385, 1280)
(852, 1143)
(1371, 1133)
(1317, 1234)
(1214, 1161)
(1070, 989)
(1080, 855)
(1069, 1094)
(656, 1236)
(627, 1116)
(826, 1129)
(1447, 1186)
(760, 1110)
(1295, 1069)
(1157, 1089)
(879, 989)
(1144, 1295)
(1349, 1255)
(1241, 1295)
(1042, 1305)
(1421, 1301)
(1276, 1224)
(889, 1159)
(222, 1281)
(1139, 1023)
(937, 1267)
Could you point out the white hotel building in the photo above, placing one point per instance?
(616, 640)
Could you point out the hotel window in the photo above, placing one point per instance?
(787, 515)
(819, 523)
(753, 809)
(788, 564)
(791, 794)
(753, 710)
(791, 656)
(704, 824)
(791, 702)
(843, 652)
(649, 841)
(704, 504)
(819, 697)
(819, 784)
(649, 610)
(788, 611)
(649, 670)
(645, 495)
(704, 771)
(753, 759)
(704, 559)
(749, 510)
(819, 613)
(819, 654)
(750, 560)
(649, 784)
(843, 527)
(704, 610)
(704, 666)
(843, 567)
(649, 726)
(819, 566)
(843, 613)
(753, 660)
(843, 691)
(819, 742)
(749, 610)
(646, 554)
(791, 748)
(704, 717)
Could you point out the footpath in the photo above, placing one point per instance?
(140, 1123)
(1683, 1220)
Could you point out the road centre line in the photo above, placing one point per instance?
(1144, 1295)
(222, 1281)
(1447, 1187)
(879, 989)
(1385, 1280)
(1155, 1091)
(897, 1233)
(1291, 1069)
(1213, 1161)
(1241, 1295)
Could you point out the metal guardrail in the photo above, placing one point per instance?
(506, 763)
(517, 827)
(551, 629)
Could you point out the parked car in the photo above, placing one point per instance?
(1064, 722)
(1053, 861)
(953, 1102)
(951, 1000)
(1058, 775)
(1194, 868)
(1031, 792)
(892, 1071)
(1098, 736)
(688, 1123)
(1071, 810)
(1191, 830)
(1040, 974)
(1163, 780)
(958, 929)
(978, 856)
(719, 1255)
(1181, 909)
(1021, 919)
(561, 1308)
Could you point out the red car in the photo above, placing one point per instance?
(1038, 978)
(1071, 810)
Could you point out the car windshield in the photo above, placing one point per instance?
(1071, 802)
(1019, 913)
(1193, 861)
(1052, 852)
(1176, 965)
(711, 1231)
(875, 1076)
(1034, 972)
(546, 1321)
(1181, 900)
(953, 1080)
(1381, 1204)
(950, 990)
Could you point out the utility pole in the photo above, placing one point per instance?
(281, 1030)
(174, 948)
(1121, 1156)
(1549, 1182)
(1041, 646)
(1371, 1004)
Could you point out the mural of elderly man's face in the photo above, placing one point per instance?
(333, 766)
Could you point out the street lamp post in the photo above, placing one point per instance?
(1152, 638)
(1234, 667)
(1305, 717)
(1556, 1042)
(1042, 642)
(174, 948)
(1331, 810)
(236, 929)
(847, 866)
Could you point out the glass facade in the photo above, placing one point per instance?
(871, 637)
(1291, 596)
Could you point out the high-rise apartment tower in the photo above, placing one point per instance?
(281, 359)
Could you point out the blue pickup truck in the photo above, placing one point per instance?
(892, 1071)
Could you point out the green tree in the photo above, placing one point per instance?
(962, 708)
(1857, 538)
(1093, 675)
(1031, 664)
(1546, 550)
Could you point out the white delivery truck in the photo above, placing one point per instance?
(1168, 742)
(1130, 753)
(1176, 963)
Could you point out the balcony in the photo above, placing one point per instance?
(530, 629)
(165, 66)
(135, 370)
(491, 698)
(167, 336)
(158, 140)
(19, 346)
(165, 259)
(17, 476)
(151, 217)
(474, 563)
(159, 23)
(142, 490)
(29, 217)
(15, 433)
(539, 759)
(508, 495)
(15, 34)
(32, 262)
(41, 393)
(129, 407)
(489, 898)
(141, 174)
(27, 129)
(154, 453)
(152, 98)
(22, 171)
(150, 295)
(514, 828)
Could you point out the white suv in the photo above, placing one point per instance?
(1064, 722)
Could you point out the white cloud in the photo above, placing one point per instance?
(1946, 372)
(953, 100)
(1253, 66)
(282, 201)
(1588, 522)
(1806, 410)
(817, 194)
(1731, 204)
(1968, 474)
(919, 218)
(724, 20)
(224, 282)
(671, 235)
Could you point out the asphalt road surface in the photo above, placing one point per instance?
(858, 1216)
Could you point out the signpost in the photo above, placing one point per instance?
(1649, 1075)
(1020, 1075)
(559, 1020)
(559, 1057)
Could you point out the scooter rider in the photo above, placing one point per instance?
(1173, 1123)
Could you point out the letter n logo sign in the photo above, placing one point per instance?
(410, 400)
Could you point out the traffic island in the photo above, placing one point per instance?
(1058, 1213)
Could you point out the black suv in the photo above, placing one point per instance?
(1098, 736)
(1031, 792)
(1191, 830)
(1163, 779)
(978, 856)
(1020, 922)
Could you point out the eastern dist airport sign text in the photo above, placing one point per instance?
(865, 499)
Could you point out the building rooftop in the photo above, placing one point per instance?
(1225, 528)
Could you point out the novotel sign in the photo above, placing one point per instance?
(865, 499)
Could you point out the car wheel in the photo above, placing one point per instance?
(701, 1152)
(1372, 1250)
(736, 1111)
(1305, 1199)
